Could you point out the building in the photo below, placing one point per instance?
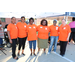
(50, 19)
(8, 21)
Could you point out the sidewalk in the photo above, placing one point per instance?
(41, 57)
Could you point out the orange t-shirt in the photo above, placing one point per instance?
(54, 30)
(13, 30)
(22, 29)
(43, 32)
(31, 29)
(63, 32)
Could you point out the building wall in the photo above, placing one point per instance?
(8, 21)
(50, 19)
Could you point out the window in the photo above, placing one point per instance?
(3, 19)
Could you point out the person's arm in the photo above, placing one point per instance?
(9, 36)
(68, 36)
(69, 32)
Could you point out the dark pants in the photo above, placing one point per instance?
(14, 41)
(1, 41)
(22, 42)
(63, 45)
(72, 36)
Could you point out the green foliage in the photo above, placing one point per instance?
(69, 22)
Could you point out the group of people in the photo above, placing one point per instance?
(33, 33)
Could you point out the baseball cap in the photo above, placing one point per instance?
(54, 21)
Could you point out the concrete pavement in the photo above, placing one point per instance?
(41, 57)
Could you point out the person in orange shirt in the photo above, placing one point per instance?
(22, 34)
(54, 30)
(43, 31)
(32, 37)
(64, 34)
(13, 35)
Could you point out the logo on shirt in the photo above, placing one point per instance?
(16, 27)
(33, 27)
(56, 28)
(24, 26)
(40, 27)
(64, 27)
(45, 28)
(29, 27)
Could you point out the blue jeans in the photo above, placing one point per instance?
(1, 41)
(54, 40)
(34, 44)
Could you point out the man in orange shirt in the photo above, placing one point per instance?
(32, 37)
(13, 34)
(54, 29)
(22, 34)
(64, 34)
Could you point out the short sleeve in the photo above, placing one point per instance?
(36, 28)
(27, 28)
(58, 28)
(69, 29)
(49, 28)
(8, 28)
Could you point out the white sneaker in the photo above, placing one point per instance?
(48, 53)
(53, 52)
(73, 42)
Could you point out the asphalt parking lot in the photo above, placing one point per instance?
(41, 57)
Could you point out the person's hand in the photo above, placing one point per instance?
(10, 41)
(67, 39)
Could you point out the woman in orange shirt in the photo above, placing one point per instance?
(43, 31)
(64, 34)
(54, 30)
(32, 37)
(13, 35)
(22, 34)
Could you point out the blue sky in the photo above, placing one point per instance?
(29, 14)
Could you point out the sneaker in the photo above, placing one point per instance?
(31, 54)
(54, 52)
(23, 54)
(48, 53)
(73, 42)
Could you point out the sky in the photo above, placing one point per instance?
(29, 14)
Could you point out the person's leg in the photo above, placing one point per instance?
(71, 35)
(51, 44)
(74, 37)
(64, 48)
(1, 41)
(55, 43)
(14, 48)
(34, 47)
(61, 47)
(44, 49)
(38, 50)
(30, 46)
(20, 44)
(23, 45)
